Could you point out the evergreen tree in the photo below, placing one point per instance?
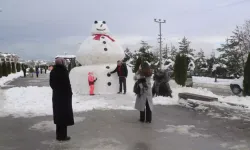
(184, 47)
(8, 68)
(144, 54)
(1, 70)
(128, 55)
(210, 63)
(200, 63)
(236, 49)
(18, 67)
(13, 67)
(246, 81)
(5, 70)
(231, 57)
(173, 53)
(169, 62)
(165, 53)
(180, 69)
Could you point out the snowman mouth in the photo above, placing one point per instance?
(100, 29)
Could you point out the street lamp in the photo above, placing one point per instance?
(160, 37)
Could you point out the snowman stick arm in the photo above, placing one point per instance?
(114, 70)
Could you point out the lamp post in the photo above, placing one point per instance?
(159, 21)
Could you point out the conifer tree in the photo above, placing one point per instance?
(5, 71)
(8, 68)
(18, 67)
(144, 54)
(13, 67)
(180, 69)
(184, 47)
(246, 81)
(1, 70)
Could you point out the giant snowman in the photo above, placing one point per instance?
(99, 54)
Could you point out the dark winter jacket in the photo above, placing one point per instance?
(122, 71)
(37, 70)
(62, 96)
(23, 68)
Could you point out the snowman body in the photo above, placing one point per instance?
(99, 54)
(99, 51)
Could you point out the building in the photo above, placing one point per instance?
(9, 57)
(70, 60)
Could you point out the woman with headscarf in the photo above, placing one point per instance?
(144, 102)
(61, 99)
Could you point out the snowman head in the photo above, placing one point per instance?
(99, 27)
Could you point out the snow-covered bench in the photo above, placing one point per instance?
(187, 96)
(197, 97)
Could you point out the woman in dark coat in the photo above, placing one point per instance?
(61, 99)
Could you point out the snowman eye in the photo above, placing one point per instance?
(104, 22)
(96, 22)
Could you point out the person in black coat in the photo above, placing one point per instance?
(37, 72)
(61, 99)
(45, 69)
(24, 70)
(122, 72)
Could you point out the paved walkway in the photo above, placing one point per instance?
(173, 128)
(42, 80)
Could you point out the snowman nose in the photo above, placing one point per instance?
(101, 25)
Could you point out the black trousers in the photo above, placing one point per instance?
(61, 132)
(148, 113)
(122, 81)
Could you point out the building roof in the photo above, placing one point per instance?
(8, 55)
(65, 56)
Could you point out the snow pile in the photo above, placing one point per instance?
(37, 101)
(183, 130)
(10, 77)
(208, 80)
(236, 100)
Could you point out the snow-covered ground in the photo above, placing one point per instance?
(36, 101)
(208, 80)
(10, 77)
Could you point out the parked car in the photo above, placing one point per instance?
(237, 86)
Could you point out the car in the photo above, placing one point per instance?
(236, 86)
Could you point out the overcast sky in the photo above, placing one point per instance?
(40, 29)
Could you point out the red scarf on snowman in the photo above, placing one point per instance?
(98, 36)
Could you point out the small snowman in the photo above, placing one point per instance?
(98, 54)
